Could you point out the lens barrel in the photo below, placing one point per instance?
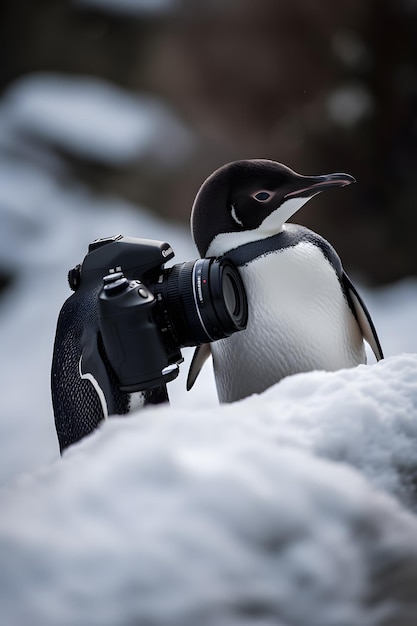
(200, 301)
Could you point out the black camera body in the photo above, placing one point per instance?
(122, 330)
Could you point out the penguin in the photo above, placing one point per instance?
(304, 313)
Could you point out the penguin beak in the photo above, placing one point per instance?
(310, 185)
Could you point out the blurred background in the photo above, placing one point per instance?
(142, 99)
(113, 112)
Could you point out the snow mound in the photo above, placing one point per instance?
(92, 119)
(365, 416)
(227, 516)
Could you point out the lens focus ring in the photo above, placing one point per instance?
(190, 287)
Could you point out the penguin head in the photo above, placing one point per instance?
(248, 200)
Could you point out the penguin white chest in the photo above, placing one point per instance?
(299, 320)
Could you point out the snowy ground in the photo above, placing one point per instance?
(296, 507)
(287, 508)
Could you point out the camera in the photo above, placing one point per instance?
(123, 328)
(147, 313)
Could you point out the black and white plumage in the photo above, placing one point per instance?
(304, 312)
(84, 388)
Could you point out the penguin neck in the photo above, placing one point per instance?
(271, 225)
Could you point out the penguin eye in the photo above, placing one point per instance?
(262, 196)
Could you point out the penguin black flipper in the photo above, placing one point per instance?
(201, 354)
(83, 385)
(363, 317)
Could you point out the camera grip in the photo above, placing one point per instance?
(131, 337)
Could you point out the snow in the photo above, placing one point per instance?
(293, 507)
(90, 118)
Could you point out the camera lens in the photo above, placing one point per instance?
(227, 296)
(200, 301)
